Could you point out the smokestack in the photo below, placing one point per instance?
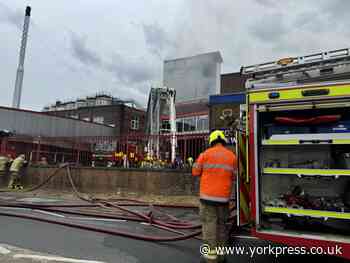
(16, 102)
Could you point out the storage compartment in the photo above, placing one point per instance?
(339, 127)
(300, 156)
(310, 204)
(273, 129)
(316, 121)
(304, 171)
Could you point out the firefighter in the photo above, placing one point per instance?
(125, 161)
(190, 161)
(4, 163)
(216, 168)
(15, 170)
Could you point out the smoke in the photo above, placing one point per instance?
(129, 71)
(125, 69)
(271, 28)
(157, 39)
(83, 53)
(130, 75)
(267, 3)
(11, 17)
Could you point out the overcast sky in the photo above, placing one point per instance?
(77, 48)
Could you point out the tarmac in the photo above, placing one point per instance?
(27, 241)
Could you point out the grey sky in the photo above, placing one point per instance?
(77, 48)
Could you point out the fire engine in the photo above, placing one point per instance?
(293, 183)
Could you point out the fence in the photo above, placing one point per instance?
(86, 150)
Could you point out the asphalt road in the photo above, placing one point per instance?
(79, 244)
(32, 241)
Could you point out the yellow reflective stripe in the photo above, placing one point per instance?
(281, 142)
(210, 256)
(221, 166)
(295, 94)
(341, 141)
(307, 212)
(297, 142)
(306, 171)
(244, 205)
(214, 198)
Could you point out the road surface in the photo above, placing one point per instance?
(27, 241)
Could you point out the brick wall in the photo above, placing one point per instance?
(110, 180)
(118, 115)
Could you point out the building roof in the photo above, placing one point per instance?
(48, 114)
(215, 55)
(193, 108)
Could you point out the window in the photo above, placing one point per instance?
(203, 123)
(179, 125)
(86, 119)
(135, 123)
(165, 126)
(102, 102)
(98, 119)
(74, 116)
(91, 102)
(190, 124)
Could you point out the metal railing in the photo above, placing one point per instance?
(132, 151)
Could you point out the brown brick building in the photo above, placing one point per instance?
(126, 118)
(232, 83)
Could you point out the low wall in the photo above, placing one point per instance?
(111, 180)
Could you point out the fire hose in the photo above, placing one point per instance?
(136, 216)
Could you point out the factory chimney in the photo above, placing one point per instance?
(16, 102)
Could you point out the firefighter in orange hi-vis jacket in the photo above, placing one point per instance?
(216, 168)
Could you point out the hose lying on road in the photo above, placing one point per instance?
(48, 179)
(105, 231)
(153, 221)
(133, 215)
(109, 204)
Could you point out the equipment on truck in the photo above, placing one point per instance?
(293, 179)
(298, 125)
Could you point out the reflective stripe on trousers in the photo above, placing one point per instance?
(214, 198)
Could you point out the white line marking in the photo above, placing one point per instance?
(99, 219)
(4, 251)
(246, 237)
(57, 259)
(49, 213)
(146, 224)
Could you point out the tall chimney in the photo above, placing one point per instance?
(16, 102)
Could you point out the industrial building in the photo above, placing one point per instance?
(194, 77)
(31, 123)
(39, 134)
(123, 116)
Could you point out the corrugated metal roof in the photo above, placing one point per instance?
(40, 124)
